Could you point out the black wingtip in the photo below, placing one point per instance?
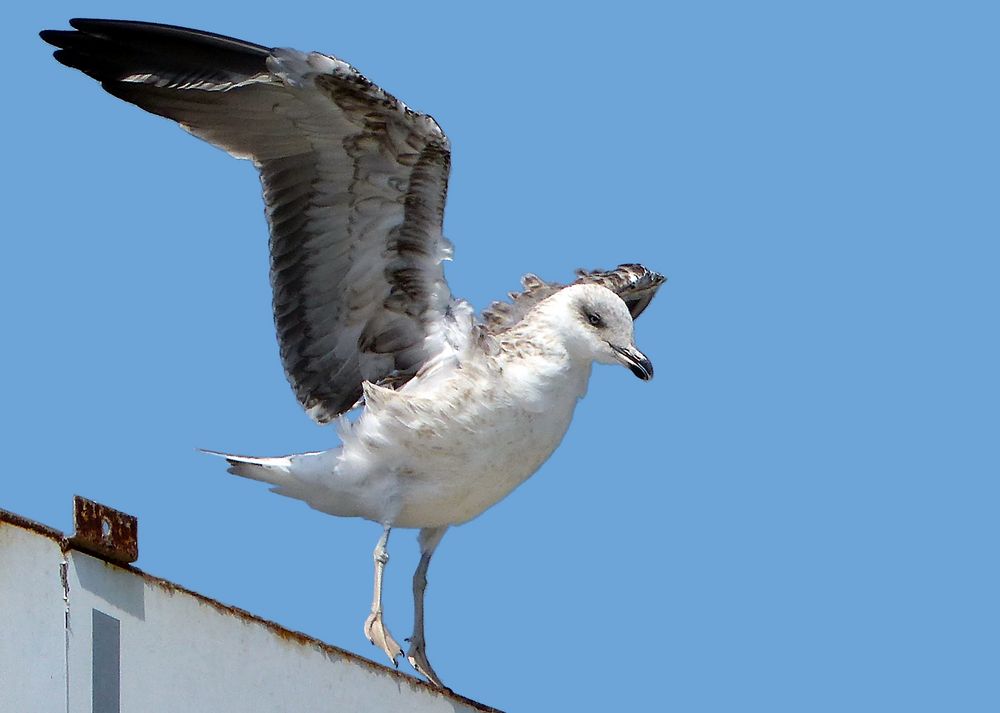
(112, 50)
(51, 36)
(93, 23)
(159, 34)
(62, 38)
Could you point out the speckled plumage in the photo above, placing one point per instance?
(460, 435)
(455, 413)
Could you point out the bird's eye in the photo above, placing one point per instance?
(595, 319)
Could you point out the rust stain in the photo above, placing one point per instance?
(301, 639)
(110, 534)
(10, 518)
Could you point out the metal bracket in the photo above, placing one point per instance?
(104, 531)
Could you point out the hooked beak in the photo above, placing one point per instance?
(635, 360)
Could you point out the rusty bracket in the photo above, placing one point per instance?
(104, 531)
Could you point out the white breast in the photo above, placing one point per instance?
(443, 453)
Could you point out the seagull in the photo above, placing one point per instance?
(450, 411)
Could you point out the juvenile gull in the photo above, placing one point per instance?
(455, 412)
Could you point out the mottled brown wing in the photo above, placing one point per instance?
(635, 284)
(354, 184)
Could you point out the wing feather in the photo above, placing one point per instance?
(354, 185)
(635, 284)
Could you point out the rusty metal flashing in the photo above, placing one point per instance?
(68, 544)
(103, 531)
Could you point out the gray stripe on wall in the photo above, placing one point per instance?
(106, 658)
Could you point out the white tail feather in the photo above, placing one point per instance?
(276, 470)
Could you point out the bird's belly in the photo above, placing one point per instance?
(470, 469)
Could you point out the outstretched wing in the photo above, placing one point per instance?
(635, 284)
(354, 185)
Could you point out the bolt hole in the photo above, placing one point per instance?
(105, 528)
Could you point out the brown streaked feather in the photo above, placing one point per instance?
(354, 185)
(634, 283)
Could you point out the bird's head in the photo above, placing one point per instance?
(596, 325)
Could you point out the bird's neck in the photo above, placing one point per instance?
(543, 364)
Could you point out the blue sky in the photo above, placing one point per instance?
(798, 513)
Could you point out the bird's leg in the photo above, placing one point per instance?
(417, 653)
(374, 628)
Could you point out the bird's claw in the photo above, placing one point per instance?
(417, 657)
(379, 636)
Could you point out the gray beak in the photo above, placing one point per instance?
(635, 360)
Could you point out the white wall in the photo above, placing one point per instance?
(160, 648)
